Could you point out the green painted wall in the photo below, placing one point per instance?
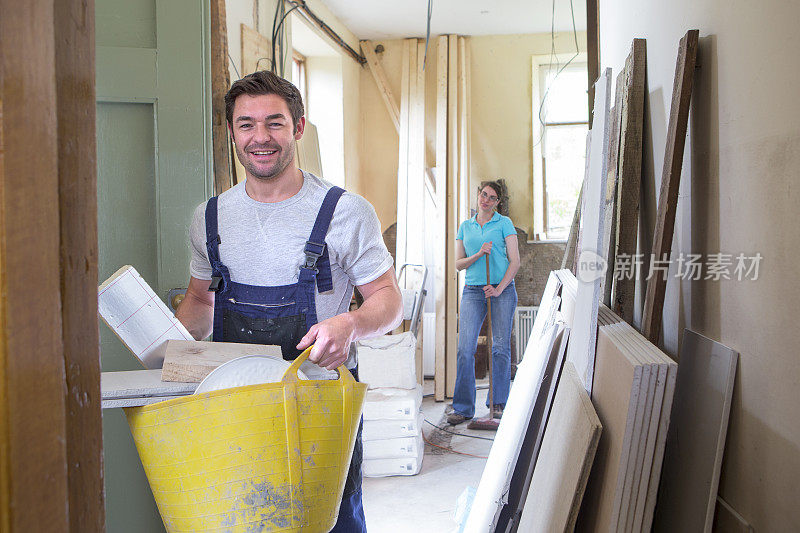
(153, 148)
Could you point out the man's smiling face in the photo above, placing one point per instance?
(264, 135)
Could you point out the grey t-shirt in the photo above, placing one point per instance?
(262, 243)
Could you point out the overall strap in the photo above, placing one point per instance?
(316, 250)
(212, 243)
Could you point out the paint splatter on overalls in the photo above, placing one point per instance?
(282, 315)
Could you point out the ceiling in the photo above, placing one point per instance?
(385, 19)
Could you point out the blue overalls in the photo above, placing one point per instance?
(282, 315)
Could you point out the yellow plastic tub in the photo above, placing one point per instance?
(270, 457)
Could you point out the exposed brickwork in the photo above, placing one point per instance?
(537, 259)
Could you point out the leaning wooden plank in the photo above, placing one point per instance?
(615, 396)
(670, 183)
(191, 361)
(463, 130)
(441, 217)
(378, 74)
(452, 212)
(629, 176)
(140, 384)
(220, 83)
(308, 156)
(565, 460)
(403, 152)
(696, 437)
(583, 336)
(496, 477)
(256, 51)
(415, 244)
(610, 212)
(139, 318)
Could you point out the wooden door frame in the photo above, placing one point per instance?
(51, 473)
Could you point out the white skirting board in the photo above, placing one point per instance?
(392, 404)
(138, 316)
(392, 429)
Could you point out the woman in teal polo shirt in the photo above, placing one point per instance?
(487, 235)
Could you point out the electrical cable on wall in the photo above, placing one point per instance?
(558, 66)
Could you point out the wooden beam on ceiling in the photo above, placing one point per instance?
(378, 74)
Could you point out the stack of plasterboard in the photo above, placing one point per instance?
(547, 317)
(565, 459)
(632, 391)
(392, 434)
(139, 387)
(530, 387)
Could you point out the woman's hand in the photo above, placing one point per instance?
(486, 248)
(491, 291)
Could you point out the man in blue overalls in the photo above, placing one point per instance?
(275, 259)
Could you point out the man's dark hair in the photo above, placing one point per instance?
(265, 82)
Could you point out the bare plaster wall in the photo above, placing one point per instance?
(501, 118)
(738, 194)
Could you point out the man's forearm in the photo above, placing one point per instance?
(196, 315)
(381, 312)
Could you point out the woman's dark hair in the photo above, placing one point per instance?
(496, 187)
(265, 82)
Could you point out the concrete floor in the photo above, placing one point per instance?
(426, 502)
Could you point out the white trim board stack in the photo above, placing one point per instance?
(138, 316)
(581, 349)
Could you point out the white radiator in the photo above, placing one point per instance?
(523, 325)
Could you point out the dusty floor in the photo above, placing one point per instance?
(425, 502)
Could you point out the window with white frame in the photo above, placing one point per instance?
(299, 74)
(560, 124)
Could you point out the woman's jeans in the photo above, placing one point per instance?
(470, 319)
